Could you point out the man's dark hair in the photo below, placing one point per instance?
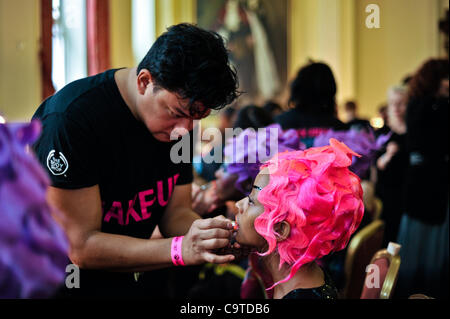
(192, 63)
(314, 90)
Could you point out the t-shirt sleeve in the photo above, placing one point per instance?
(66, 149)
(186, 174)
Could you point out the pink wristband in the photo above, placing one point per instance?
(175, 251)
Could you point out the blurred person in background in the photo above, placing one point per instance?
(252, 116)
(391, 163)
(382, 113)
(424, 227)
(272, 108)
(313, 97)
(352, 119)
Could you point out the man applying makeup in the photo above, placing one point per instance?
(106, 144)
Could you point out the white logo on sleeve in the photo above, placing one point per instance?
(57, 163)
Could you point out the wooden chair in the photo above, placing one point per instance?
(364, 244)
(420, 296)
(385, 264)
(372, 204)
(378, 208)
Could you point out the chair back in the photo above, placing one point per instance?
(419, 296)
(382, 273)
(377, 208)
(364, 244)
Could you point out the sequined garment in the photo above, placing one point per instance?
(327, 291)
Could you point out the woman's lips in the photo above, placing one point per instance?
(235, 225)
(235, 228)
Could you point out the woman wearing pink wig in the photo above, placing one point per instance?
(303, 206)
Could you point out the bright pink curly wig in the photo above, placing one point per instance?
(320, 198)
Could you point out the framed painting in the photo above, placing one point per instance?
(256, 35)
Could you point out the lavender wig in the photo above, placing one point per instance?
(245, 153)
(361, 141)
(33, 248)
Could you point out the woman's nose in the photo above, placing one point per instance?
(242, 205)
(239, 206)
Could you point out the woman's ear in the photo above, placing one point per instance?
(282, 229)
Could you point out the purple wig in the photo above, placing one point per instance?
(33, 248)
(360, 141)
(245, 153)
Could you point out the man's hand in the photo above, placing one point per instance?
(201, 236)
(204, 236)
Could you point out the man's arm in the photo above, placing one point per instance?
(178, 216)
(81, 217)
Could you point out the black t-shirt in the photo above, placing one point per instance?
(91, 137)
(427, 144)
(308, 126)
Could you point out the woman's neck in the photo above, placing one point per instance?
(307, 276)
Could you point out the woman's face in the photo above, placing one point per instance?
(397, 105)
(249, 208)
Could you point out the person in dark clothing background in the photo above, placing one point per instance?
(353, 121)
(252, 116)
(391, 163)
(382, 112)
(424, 227)
(272, 108)
(313, 97)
